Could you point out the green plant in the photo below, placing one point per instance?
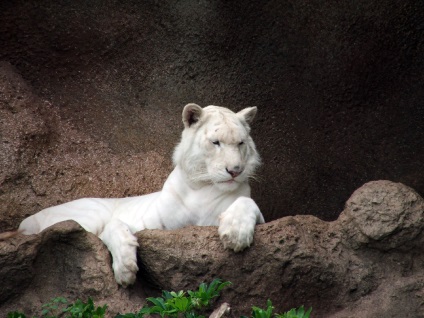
(171, 304)
(263, 313)
(181, 304)
(80, 309)
(49, 310)
(258, 312)
(54, 307)
(59, 307)
(296, 313)
(204, 295)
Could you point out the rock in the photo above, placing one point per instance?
(46, 161)
(64, 260)
(221, 311)
(339, 86)
(302, 260)
(385, 215)
(367, 263)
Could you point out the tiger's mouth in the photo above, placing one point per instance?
(229, 181)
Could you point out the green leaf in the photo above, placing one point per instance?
(145, 311)
(258, 312)
(182, 304)
(295, 313)
(308, 312)
(158, 302)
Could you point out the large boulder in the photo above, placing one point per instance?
(369, 262)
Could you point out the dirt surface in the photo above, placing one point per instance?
(367, 263)
(339, 85)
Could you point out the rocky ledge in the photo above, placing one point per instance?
(367, 263)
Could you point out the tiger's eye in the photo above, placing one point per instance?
(216, 142)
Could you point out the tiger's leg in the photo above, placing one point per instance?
(237, 224)
(122, 244)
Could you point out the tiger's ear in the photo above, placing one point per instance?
(248, 114)
(191, 114)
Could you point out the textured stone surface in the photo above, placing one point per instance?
(339, 84)
(63, 260)
(45, 160)
(342, 269)
(385, 217)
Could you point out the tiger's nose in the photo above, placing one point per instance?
(235, 171)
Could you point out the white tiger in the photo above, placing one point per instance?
(208, 186)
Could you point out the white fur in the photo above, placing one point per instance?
(209, 186)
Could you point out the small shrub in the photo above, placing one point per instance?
(263, 313)
(299, 313)
(55, 307)
(59, 307)
(80, 309)
(181, 304)
(258, 312)
(171, 304)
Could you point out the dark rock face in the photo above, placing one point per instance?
(339, 85)
(369, 262)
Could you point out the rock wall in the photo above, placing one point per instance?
(46, 160)
(339, 85)
(367, 263)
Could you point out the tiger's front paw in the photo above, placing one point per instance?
(237, 224)
(122, 244)
(125, 262)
